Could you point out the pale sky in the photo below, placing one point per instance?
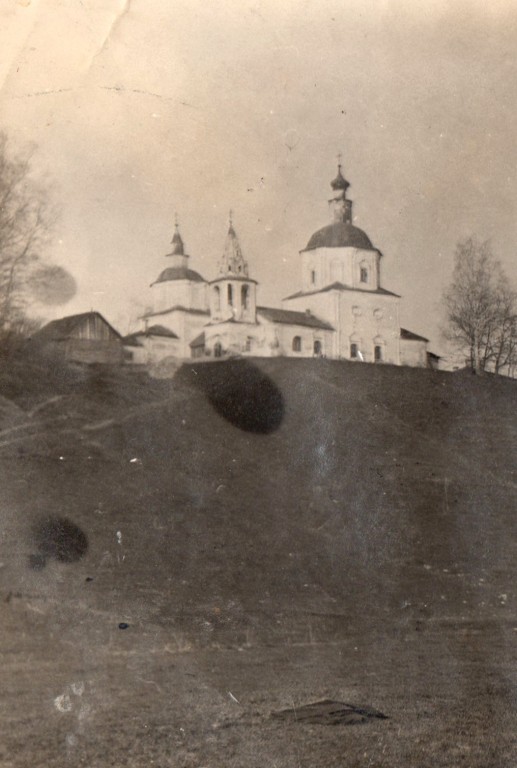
(141, 108)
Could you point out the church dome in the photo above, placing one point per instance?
(340, 234)
(339, 182)
(179, 273)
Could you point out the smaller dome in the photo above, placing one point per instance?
(339, 235)
(339, 182)
(179, 273)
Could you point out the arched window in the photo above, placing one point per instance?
(230, 295)
(318, 348)
(313, 277)
(217, 298)
(377, 353)
(218, 350)
(364, 274)
(355, 347)
(297, 344)
(245, 296)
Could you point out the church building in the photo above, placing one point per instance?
(341, 310)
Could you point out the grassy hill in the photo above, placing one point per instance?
(280, 530)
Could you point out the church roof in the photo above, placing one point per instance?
(177, 308)
(291, 317)
(132, 340)
(199, 341)
(233, 278)
(410, 336)
(232, 261)
(339, 234)
(179, 273)
(341, 287)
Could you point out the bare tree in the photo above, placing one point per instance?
(481, 309)
(24, 228)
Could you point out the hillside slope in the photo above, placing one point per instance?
(255, 504)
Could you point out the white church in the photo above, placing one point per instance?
(341, 310)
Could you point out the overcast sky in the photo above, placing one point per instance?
(142, 108)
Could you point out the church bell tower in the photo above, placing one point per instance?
(233, 292)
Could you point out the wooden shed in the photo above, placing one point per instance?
(84, 338)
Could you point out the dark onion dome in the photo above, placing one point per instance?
(339, 235)
(339, 182)
(179, 273)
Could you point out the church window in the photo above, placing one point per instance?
(248, 344)
(217, 298)
(318, 349)
(245, 295)
(377, 353)
(218, 350)
(313, 277)
(230, 295)
(297, 344)
(364, 274)
(354, 350)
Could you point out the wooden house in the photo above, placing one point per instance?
(84, 338)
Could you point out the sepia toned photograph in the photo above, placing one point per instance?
(258, 384)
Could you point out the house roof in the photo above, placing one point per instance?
(199, 341)
(339, 234)
(61, 329)
(410, 336)
(290, 317)
(179, 273)
(341, 287)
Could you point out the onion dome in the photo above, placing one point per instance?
(339, 183)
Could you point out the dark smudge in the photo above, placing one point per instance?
(58, 538)
(52, 285)
(242, 394)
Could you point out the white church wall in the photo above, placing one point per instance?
(323, 266)
(299, 341)
(369, 320)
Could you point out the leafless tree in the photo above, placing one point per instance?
(24, 230)
(481, 309)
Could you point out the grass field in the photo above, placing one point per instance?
(182, 557)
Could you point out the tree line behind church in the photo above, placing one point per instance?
(481, 307)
